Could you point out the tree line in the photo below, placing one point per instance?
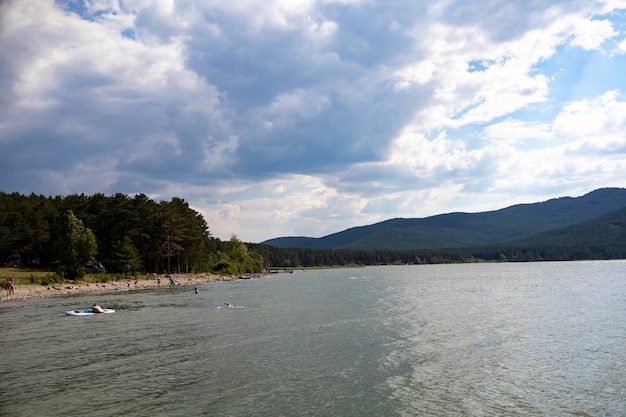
(122, 233)
(130, 234)
(302, 257)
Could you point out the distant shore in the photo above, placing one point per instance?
(34, 291)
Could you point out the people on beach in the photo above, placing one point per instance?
(97, 309)
(10, 287)
(34, 291)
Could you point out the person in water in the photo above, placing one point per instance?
(228, 305)
(196, 290)
(97, 309)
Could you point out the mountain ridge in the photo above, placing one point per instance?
(608, 230)
(460, 229)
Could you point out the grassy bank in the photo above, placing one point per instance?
(25, 276)
(33, 276)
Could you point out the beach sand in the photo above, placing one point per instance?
(34, 291)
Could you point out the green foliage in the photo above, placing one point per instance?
(237, 259)
(237, 250)
(607, 230)
(226, 267)
(183, 238)
(52, 279)
(132, 234)
(126, 256)
(75, 247)
(104, 278)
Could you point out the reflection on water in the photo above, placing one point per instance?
(465, 340)
(514, 339)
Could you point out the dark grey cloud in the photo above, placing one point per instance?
(251, 69)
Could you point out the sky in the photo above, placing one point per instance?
(281, 118)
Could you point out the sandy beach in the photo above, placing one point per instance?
(26, 292)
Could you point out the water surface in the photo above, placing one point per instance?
(528, 339)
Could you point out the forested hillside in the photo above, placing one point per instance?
(459, 230)
(131, 234)
(606, 231)
(601, 238)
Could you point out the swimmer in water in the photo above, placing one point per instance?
(228, 305)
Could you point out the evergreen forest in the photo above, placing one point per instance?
(118, 233)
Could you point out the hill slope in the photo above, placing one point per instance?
(605, 231)
(468, 229)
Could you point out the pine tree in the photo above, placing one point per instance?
(76, 246)
(127, 256)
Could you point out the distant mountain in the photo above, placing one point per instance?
(605, 231)
(458, 230)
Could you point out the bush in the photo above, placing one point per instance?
(225, 267)
(52, 279)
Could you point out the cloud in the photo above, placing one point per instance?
(307, 117)
(514, 131)
(592, 33)
(593, 119)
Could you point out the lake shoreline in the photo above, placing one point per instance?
(35, 291)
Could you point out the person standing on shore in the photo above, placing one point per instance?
(10, 287)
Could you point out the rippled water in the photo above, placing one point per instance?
(540, 339)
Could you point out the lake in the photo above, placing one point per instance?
(506, 339)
